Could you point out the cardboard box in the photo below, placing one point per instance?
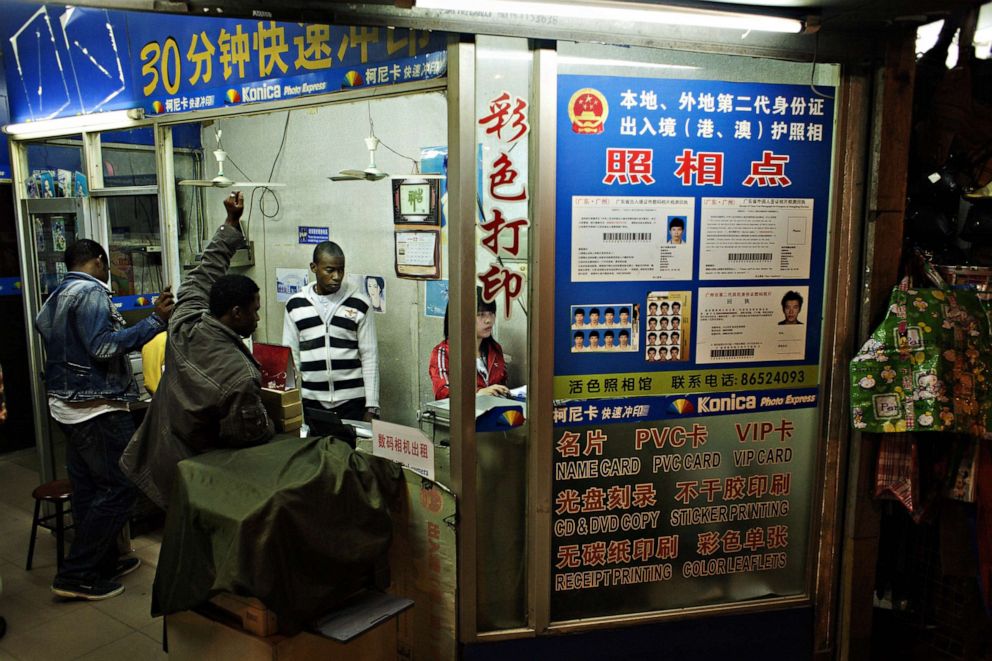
(194, 637)
(283, 405)
(255, 617)
(272, 397)
(290, 424)
(294, 410)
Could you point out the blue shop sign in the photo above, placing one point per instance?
(66, 61)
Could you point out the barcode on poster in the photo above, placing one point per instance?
(749, 257)
(626, 237)
(732, 353)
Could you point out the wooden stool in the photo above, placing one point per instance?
(56, 492)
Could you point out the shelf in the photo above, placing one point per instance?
(124, 191)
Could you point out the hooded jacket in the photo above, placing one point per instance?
(209, 396)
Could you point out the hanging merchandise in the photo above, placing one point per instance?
(962, 483)
(897, 474)
(924, 368)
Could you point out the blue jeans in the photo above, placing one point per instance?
(101, 495)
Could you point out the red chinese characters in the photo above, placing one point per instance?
(629, 166)
(504, 175)
(506, 111)
(499, 279)
(507, 121)
(402, 445)
(495, 227)
(769, 171)
(700, 169)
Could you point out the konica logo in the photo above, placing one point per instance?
(726, 403)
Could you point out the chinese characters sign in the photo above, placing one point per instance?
(404, 445)
(680, 513)
(94, 59)
(665, 186)
(502, 130)
(692, 220)
(191, 63)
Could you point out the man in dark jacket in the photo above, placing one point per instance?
(89, 382)
(210, 393)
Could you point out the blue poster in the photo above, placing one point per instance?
(689, 285)
(310, 234)
(692, 226)
(436, 297)
(66, 61)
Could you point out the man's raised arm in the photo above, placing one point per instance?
(194, 296)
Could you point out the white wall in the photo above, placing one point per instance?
(319, 143)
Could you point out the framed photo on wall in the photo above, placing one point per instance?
(415, 201)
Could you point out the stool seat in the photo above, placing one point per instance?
(58, 493)
(54, 490)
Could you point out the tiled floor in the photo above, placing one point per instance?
(42, 626)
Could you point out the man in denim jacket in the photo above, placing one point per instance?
(210, 395)
(89, 382)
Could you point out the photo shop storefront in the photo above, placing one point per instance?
(656, 227)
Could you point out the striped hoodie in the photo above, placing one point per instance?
(334, 345)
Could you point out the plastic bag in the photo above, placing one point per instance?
(925, 368)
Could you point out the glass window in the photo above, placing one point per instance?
(53, 209)
(503, 86)
(693, 193)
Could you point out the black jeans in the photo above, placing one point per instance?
(328, 422)
(102, 496)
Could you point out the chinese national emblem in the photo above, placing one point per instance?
(588, 110)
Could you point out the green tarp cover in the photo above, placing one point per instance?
(296, 523)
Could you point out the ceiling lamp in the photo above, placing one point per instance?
(625, 12)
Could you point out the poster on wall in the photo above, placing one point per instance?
(375, 289)
(435, 298)
(290, 281)
(683, 460)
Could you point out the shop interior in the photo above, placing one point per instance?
(303, 152)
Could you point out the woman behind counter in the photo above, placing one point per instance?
(490, 367)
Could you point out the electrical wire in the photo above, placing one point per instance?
(812, 71)
(264, 189)
(416, 164)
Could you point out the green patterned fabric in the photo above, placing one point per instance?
(925, 368)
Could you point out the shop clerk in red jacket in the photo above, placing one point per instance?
(490, 374)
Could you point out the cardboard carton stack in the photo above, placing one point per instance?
(281, 399)
(284, 407)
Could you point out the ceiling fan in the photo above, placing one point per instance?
(222, 180)
(371, 173)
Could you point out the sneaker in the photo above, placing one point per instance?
(90, 590)
(124, 567)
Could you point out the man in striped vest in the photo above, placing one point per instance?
(330, 330)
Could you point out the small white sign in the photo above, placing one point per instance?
(404, 445)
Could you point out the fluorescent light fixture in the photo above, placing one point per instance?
(624, 12)
(594, 62)
(100, 121)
